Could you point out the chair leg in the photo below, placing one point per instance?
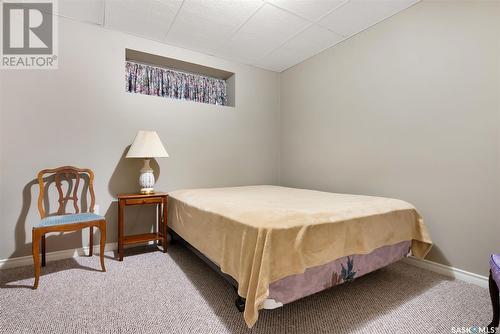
(102, 228)
(43, 251)
(36, 255)
(91, 246)
(495, 302)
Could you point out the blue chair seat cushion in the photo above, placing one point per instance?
(495, 267)
(69, 219)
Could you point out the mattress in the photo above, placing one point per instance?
(261, 234)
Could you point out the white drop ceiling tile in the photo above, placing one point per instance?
(305, 45)
(357, 15)
(208, 24)
(279, 60)
(239, 53)
(147, 18)
(263, 32)
(309, 9)
(313, 39)
(91, 11)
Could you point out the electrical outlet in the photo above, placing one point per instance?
(96, 209)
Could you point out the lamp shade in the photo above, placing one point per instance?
(147, 144)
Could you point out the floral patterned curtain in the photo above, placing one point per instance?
(156, 81)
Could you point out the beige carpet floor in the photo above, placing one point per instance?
(153, 292)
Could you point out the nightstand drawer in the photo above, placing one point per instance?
(140, 201)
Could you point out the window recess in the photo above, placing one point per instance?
(172, 78)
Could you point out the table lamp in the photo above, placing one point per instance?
(147, 145)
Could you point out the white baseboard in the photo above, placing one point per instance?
(52, 256)
(452, 272)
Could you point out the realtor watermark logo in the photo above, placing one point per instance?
(29, 35)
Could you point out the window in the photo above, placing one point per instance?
(149, 79)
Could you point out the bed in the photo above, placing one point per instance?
(279, 244)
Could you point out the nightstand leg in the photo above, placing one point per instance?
(159, 226)
(164, 216)
(121, 207)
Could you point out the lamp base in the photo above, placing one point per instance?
(147, 191)
(147, 178)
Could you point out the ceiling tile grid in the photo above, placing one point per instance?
(271, 34)
(357, 15)
(308, 9)
(263, 32)
(299, 48)
(208, 24)
(91, 11)
(147, 18)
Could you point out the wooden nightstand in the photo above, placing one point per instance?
(160, 200)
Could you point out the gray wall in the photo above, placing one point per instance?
(81, 115)
(407, 109)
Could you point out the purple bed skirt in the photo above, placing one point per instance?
(342, 270)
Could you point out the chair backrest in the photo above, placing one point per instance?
(68, 173)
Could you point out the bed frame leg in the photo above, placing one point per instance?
(173, 238)
(240, 304)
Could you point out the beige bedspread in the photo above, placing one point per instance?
(260, 234)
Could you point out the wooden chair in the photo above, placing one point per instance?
(63, 222)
